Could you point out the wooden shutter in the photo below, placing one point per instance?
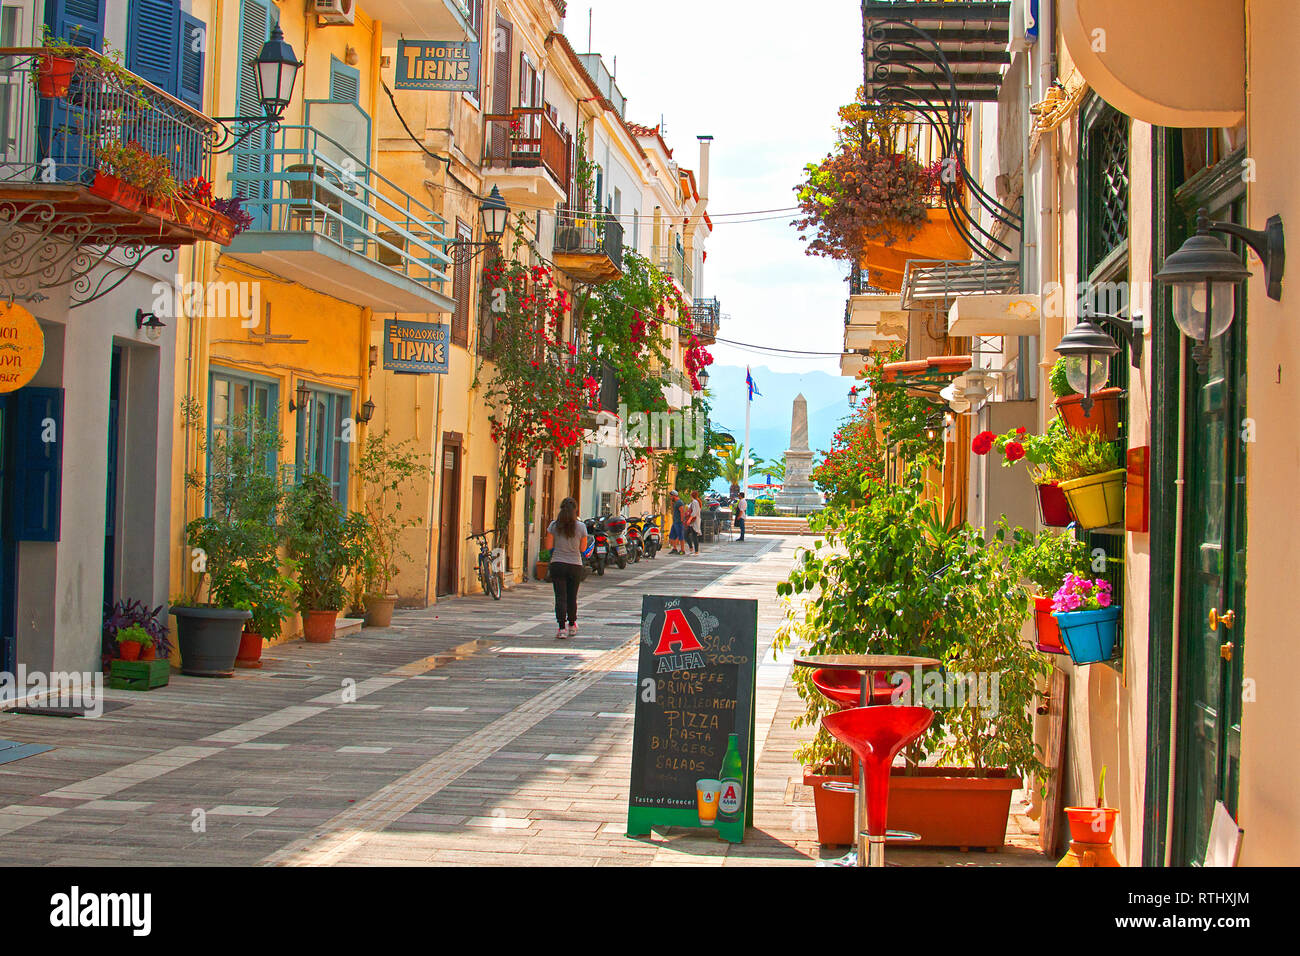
(38, 463)
(152, 47)
(255, 20)
(345, 82)
(499, 144)
(189, 82)
(462, 278)
(77, 21)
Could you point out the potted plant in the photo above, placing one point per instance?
(1102, 418)
(1044, 560)
(1091, 831)
(895, 574)
(270, 599)
(128, 612)
(1088, 618)
(55, 67)
(388, 471)
(232, 544)
(1040, 454)
(1086, 466)
(542, 571)
(324, 542)
(131, 641)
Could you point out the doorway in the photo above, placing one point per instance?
(110, 509)
(449, 516)
(8, 549)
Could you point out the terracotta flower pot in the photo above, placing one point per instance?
(318, 626)
(222, 229)
(1053, 506)
(159, 206)
(379, 609)
(834, 810)
(129, 651)
(542, 571)
(54, 77)
(108, 186)
(250, 650)
(1102, 417)
(952, 806)
(1045, 626)
(1091, 824)
(148, 653)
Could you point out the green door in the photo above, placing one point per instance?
(1211, 588)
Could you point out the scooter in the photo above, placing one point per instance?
(651, 539)
(634, 546)
(616, 531)
(597, 553)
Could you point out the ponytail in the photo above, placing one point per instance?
(567, 521)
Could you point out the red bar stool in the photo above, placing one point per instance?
(876, 735)
(845, 687)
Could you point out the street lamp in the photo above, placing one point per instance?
(303, 394)
(1087, 349)
(275, 71)
(1204, 274)
(703, 377)
(495, 215)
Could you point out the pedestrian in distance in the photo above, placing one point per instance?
(567, 539)
(677, 532)
(738, 508)
(695, 522)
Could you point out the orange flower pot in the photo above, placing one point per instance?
(250, 650)
(834, 810)
(148, 653)
(318, 626)
(1103, 417)
(1091, 824)
(1045, 626)
(952, 806)
(54, 77)
(129, 651)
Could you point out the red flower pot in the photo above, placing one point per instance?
(318, 626)
(1103, 417)
(148, 653)
(159, 206)
(834, 810)
(1053, 506)
(250, 650)
(108, 186)
(54, 77)
(1048, 631)
(129, 651)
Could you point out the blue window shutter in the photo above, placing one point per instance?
(345, 82)
(153, 27)
(189, 84)
(38, 464)
(77, 21)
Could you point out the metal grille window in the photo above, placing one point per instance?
(1105, 150)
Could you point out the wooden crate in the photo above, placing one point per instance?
(138, 675)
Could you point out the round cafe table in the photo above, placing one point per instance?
(866, 665)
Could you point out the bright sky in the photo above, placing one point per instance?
(765, 78)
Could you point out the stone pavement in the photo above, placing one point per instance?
(464, 734)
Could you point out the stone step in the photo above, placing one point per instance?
(764, 524)
(347, 625)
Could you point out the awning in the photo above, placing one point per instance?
(925, 378)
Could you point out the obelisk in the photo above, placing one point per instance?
(798, 494)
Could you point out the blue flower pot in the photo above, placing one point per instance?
(1089, 636)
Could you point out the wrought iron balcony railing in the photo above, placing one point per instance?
(589, 233)
(60, 138)
(706, 317)
(297, 179)
(671, 261)
(527, 138)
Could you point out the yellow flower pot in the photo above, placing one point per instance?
(1097, 500)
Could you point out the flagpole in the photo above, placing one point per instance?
(749, 404)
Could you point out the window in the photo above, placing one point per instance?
(323, 438)
(236, 402)
(345, 82)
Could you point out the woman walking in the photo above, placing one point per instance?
(567, 539)
(694, 522)
(677, 532)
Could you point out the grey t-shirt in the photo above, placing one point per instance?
(566, 548)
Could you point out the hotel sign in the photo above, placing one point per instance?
(437, 65)
(22, 347)
(418, 348)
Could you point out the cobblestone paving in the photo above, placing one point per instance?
(464, 734)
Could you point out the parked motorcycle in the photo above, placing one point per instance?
(597, 553)
(635, 548)
(651, 538)
(616, 531)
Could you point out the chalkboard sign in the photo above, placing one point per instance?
(692, 762)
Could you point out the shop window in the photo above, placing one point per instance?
(324, 433)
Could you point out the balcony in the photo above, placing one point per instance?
(527, 157)
(444, 19)
(706, 317)
(589, 246)
(671, 261)
(54, 187)
(325, 219)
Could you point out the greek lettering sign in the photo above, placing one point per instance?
(692, 756)
(22, 347)
(437, 65)
(416, 347)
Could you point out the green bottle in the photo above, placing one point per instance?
(731, 801)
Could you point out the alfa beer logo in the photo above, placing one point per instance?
(679, 649)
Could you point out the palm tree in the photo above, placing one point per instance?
(733, 467)
(773, 468)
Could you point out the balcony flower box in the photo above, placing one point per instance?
(108, 186)
(160, 206)
(1089, 636)
(222, 228)
(54, 76)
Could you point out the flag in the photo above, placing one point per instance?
(749, 381)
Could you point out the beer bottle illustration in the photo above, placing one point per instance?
(731, 801)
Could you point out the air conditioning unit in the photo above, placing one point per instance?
(333, 12)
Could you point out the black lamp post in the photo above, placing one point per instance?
(703, 376)
(275, 71)
(496, 216)
(1204, 274)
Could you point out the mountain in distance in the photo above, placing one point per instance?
(769, 429)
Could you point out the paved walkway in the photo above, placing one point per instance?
(464, 734)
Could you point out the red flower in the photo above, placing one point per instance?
(1015, 451)
(983, 442)
(1021, 430)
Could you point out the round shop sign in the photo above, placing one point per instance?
(22, 347)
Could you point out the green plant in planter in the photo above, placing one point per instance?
(388, 471)
(544, 555)
(1044, 560)
(135, 166)
(1081, 455)
(135, 634)
(324, 541)
(896, 575)
(1057, 381)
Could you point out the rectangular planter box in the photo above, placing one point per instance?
(138, 675)
(952, 806)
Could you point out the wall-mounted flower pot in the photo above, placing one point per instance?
(379, 609)
(318, 626)
(1089, 636)
(1103, 417)
(209, 639)
(1053, 506)
(1045, 627)
(1097, 500)
(250, 650)
(108, 186)
(833, 808)
(54, 76)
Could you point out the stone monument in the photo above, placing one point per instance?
(798, 494)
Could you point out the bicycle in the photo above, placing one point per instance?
(486, 576)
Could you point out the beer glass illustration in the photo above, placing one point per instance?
(706, 800)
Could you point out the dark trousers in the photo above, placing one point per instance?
(740, 523)
(693, 539)
(566, 578)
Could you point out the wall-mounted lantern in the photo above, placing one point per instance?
(366, 412)
(151, 324)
